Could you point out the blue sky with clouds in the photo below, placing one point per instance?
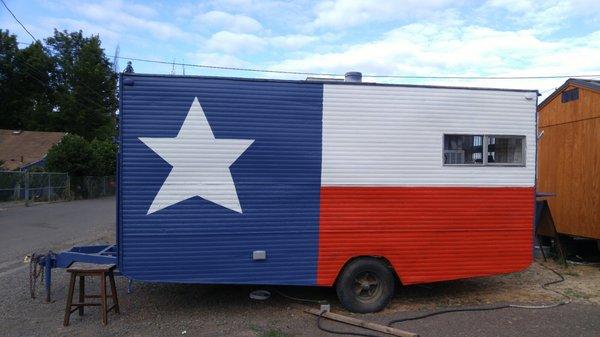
(411, 37)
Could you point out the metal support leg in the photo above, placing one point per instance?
(48, 276)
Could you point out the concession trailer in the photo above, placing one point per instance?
(349, 184)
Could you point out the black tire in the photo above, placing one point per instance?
(366, 285)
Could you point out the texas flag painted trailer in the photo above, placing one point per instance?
(347, 184)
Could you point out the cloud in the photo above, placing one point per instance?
(231, 43)
(342, 14)
(241, 43)
(121, 17)
(450, 48)
(218, 59)
(108, 35)
(292, 41)
(545, 17)
(229, 22)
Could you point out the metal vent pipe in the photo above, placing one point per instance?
(353, 76)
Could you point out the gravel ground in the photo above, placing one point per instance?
(194, 310)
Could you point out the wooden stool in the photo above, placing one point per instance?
(85, 269)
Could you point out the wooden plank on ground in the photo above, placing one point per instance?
(363, 324)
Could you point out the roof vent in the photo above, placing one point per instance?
(353, 76)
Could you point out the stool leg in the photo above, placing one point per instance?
(103, 298)
(69, 300)
(81, 293)
(113, 291)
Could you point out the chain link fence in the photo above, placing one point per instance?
(51, 186)
(92, 187)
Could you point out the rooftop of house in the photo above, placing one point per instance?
(22, 148)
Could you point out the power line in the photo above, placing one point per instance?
(341, 75)
(289, 72)
(15, 17)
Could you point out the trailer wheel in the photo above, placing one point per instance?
(366, 285)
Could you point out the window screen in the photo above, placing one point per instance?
(505, 150)
(463, 149)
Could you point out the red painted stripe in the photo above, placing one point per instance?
(427, 233)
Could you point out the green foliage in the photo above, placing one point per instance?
(25, 89)
(65, 85)
(8, 50)
(78, 157)
(72, 155)
(85, 85)
(34, 99)
(104, 154)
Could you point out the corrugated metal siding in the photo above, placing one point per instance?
(427, 233)
(382, 135)
(277, 180)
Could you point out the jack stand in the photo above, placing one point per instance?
(48, 276)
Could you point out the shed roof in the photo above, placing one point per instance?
(593, 85)
(20, 148)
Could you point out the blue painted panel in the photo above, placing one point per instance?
(277, 179)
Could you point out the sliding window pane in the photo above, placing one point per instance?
(506, 150)
(463, 149)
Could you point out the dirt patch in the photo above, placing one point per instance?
(219, 310)
(582, 284)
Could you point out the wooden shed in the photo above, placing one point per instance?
(569, 156)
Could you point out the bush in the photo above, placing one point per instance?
(72, 155)
(78, 157)
(104, 154)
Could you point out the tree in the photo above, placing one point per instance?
(8, 93)
(104, 154)
(8, 50)
(72, 155)
(85, 85)
(25, 89)
(34, 92)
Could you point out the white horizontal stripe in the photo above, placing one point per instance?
(393, 136)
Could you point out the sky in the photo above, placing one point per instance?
(376, 37)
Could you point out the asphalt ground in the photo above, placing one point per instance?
(200, 310)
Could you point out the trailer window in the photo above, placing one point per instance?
(463, 150)
(470, 150)
(506, 150)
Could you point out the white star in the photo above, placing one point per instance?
(200, 163)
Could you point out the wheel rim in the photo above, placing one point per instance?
(367, 286)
